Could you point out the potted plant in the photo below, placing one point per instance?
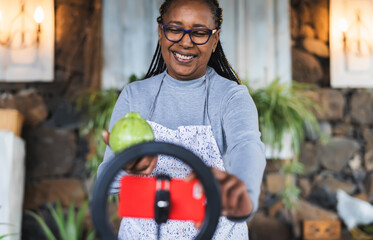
(97, 107)
(285, 111)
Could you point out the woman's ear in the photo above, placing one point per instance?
(216, 38)
(159, 33)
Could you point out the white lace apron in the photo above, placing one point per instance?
(200, 140)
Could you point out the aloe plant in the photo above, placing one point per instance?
(70, 226)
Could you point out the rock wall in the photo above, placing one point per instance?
(55, 155)
(345, 161)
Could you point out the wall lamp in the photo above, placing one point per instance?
(27, 40)
(351, 43)
(21, 30)
(356, 37)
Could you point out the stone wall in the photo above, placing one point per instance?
(345, 161)
(55, 152)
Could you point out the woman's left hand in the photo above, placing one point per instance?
(236, 202)
(235, 199)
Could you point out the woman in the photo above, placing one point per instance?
(192, 97)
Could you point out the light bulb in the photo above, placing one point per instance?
(343, 25)
(39, 15)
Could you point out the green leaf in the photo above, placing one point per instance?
(70, 224)
(59, 218)
(91, 236)
(80, 219)
(293, 168)
(8, 235)
(43, 225)
(290, 196)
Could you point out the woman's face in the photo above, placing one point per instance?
(189, 15)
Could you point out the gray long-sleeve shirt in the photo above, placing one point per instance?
(231, 110)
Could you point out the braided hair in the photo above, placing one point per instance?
(218, 60)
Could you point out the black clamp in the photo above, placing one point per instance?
(162, 203)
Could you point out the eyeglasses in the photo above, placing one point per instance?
(198, 36)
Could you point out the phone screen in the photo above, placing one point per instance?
(137, 196)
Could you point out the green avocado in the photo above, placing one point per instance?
(130, 130)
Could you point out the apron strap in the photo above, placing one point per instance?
(207, 118)
(151, 111)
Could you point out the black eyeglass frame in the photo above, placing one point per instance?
(211, 32)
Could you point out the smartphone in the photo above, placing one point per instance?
(137, 195)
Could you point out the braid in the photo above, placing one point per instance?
(220, 64)
(219, 13)
(163, 9)
(218, 60)
(158, 65)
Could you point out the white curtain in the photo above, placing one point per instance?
(255, 37)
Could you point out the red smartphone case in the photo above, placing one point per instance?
(137, 195)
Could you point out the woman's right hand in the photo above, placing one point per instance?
(143, 166)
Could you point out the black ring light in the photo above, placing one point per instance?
(211, 189)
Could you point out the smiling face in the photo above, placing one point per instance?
(185, 60)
